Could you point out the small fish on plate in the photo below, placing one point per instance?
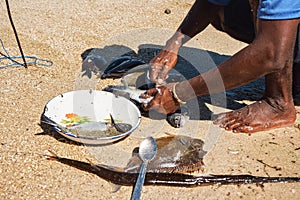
(87, 129)
(84, 116)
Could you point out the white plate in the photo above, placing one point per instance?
(94, 105)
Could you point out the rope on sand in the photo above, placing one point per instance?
(34, 60)
(29, 60)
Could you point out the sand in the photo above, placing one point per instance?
(61, 31)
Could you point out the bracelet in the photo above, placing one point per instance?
(175, 95)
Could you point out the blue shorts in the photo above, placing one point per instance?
(272, 9)
(279, 9)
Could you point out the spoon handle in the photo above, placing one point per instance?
(136, 194)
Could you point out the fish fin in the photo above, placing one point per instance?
(112, 121)
(132, 169)
(115, 188)
(133, 165)
(49, 123)
(90, 161)
(53, 156)
(169, 134)
(52, 152)
(119, 69)
(117, 169)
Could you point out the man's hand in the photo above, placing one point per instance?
(163, 100)
(161, 65)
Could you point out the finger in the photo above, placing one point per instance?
(145, 96)
(158, 109)
(153, 104)
(163, 75)
(155, 107)
(165, 61)
(150, 93)
(154, 71)
(147, 106)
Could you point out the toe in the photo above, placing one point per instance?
(243, 129)
(226, 123)
(233, 125)
(220, 119)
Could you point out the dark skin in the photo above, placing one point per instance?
(270, 54)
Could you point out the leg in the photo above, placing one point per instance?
(236, 19)
(275, 110)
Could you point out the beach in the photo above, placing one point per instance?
(61, 32)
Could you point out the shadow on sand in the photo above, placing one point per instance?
(191, 62)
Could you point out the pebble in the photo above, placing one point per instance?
(167, 11)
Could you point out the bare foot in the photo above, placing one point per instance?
(259, 116)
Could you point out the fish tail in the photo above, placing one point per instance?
(109, 174)
(112, 119)
(53, 155)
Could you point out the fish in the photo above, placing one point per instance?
(179, 118)
(176, 159)
(118, 177)
(117, 61)
(175, 154)
(92, 129)
(94, 63)
(136, 82)
(116, 69)
(121, 66)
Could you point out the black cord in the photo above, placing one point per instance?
(15, 32)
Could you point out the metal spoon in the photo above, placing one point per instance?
(147, 151)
